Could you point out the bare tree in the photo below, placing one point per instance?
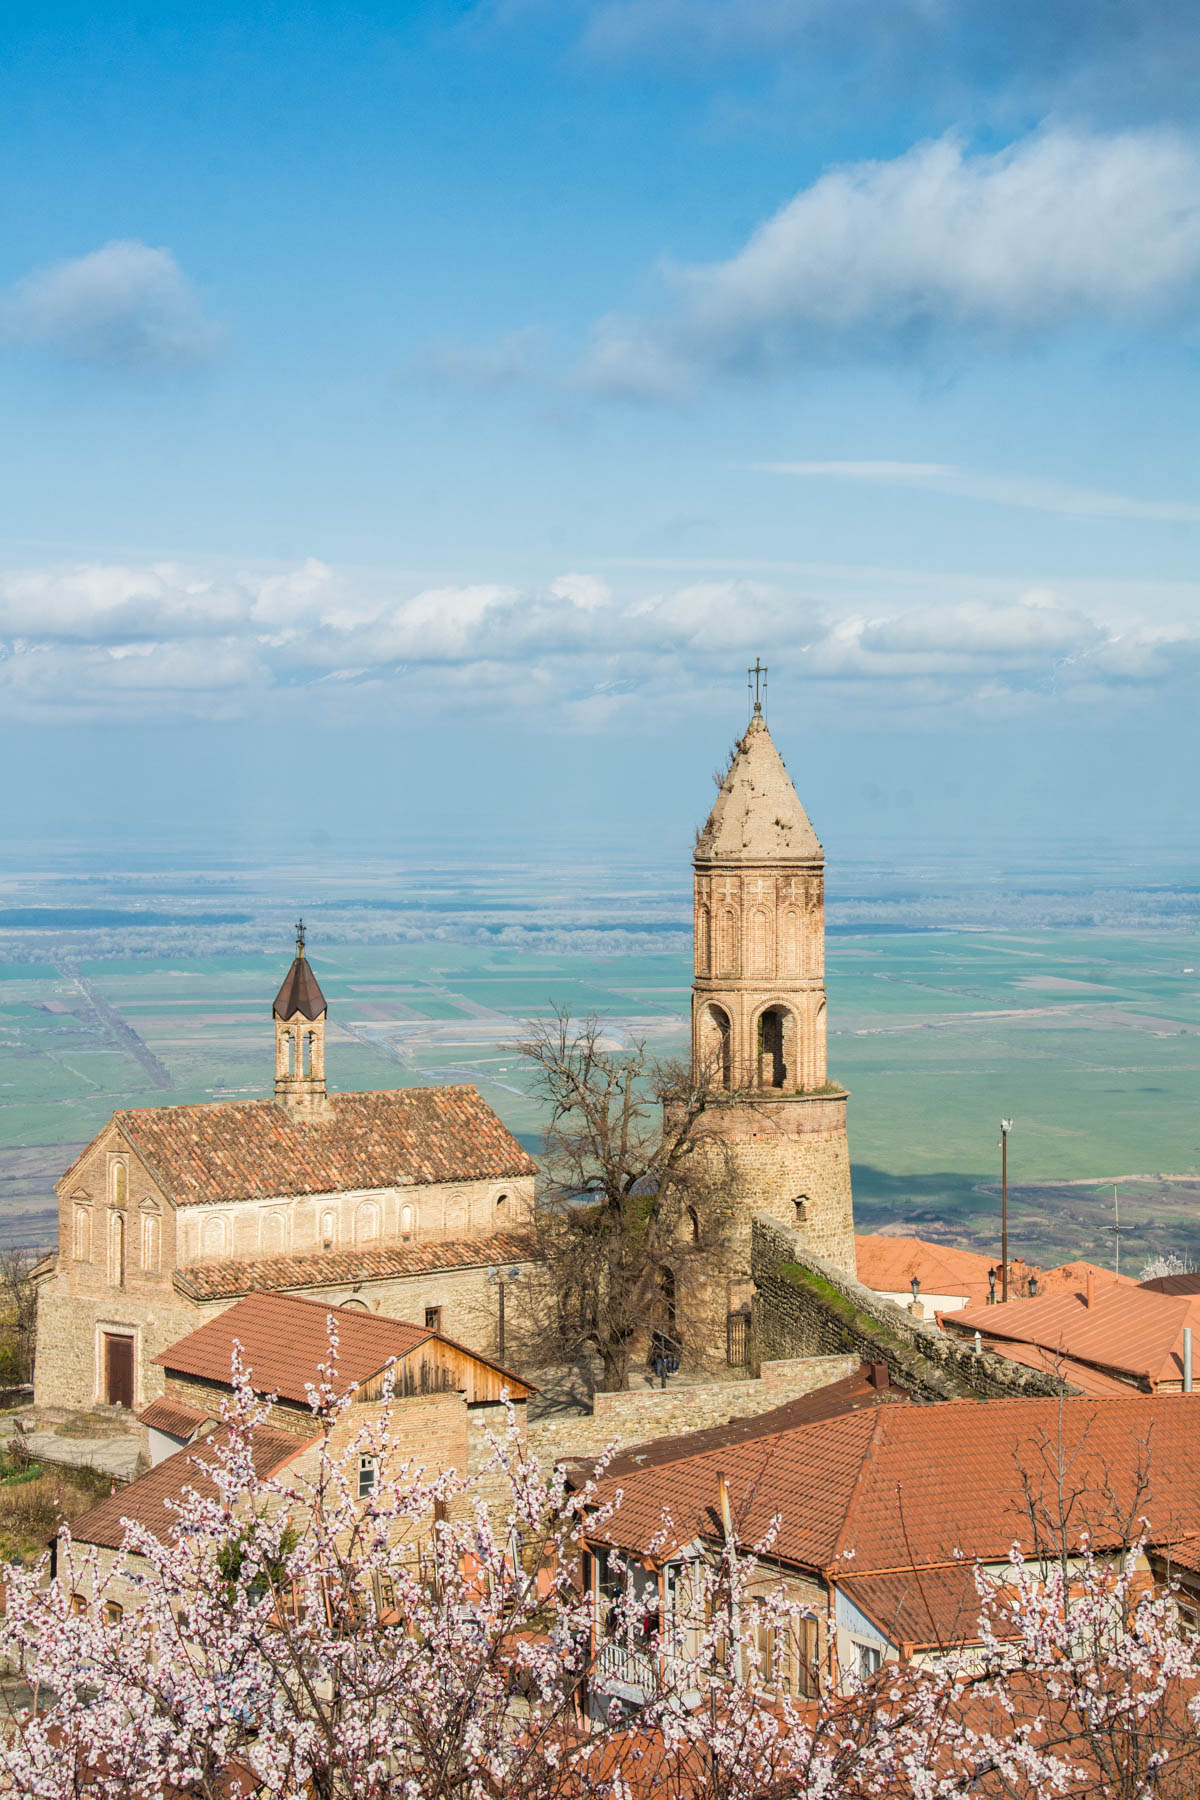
(635, 1201)
(18, 1316)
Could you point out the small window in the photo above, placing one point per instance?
(501, 1202)
(328, 1230)
(408, 1219)
(433, 1318)
(368, 1476)
(801, 1205)
(151, 1243)
(79, 1605)
(113, 1613)
(120, 1179)
(83, 1234)
(1189, 1617)
(869, 1659)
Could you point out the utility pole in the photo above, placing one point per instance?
(1117, 1228)
(1003, 1212)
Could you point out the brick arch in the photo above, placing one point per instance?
(775, 1045)
(714, 1033)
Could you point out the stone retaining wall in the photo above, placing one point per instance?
(637, 1418)
(805, 1306)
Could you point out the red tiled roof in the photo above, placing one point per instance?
(242, 1149)
(899, 1485)
(1184, 1554)
(1069, 1277)
(1126, 1328)
(173, 1418)
(300, 992)
(851, 1394)
(888, 1264)
(925, 1608)
(146, 1499)
(328, 1268)
(1173, 1284)
(284, 1338)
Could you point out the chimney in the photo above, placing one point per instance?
(1090, 1299)
(1187, 1359)
(979, 1343)
(879, 1375)
(726, 1509)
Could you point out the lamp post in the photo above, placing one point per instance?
(500, 1279)
(1005, 1128)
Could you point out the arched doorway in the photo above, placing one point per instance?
(774, 1042)
(716, 1045)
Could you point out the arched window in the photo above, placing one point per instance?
(83, 1234)
(728, 946)
(328, 1230)
(716, 1046)
(274, 1234)
(309, 1039)
(289, 1053)
(692, 1222)
(760, 941)
(801, 1205)
(501, 1202)
(120, 1181)
(366, 1222)
(214, 1236)
(116, 1249)
(408, 1220)
(354, 1305)
(702, 934)
(151, 1247)
(772, 1047)
(789, 942)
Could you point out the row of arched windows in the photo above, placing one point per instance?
(146, 1230)
(761, 956)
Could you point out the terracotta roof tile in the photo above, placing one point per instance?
(173, 1418)
(921, 1607)
(285, 1338)
(146, 1499)
(240, 1149)
(1126, 1328)
(888, 1264)
(1096, 1382)
(1173, 1284)
(328, 1268)
(925, 1484)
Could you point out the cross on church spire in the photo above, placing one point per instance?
(299, 937)
(757, 675)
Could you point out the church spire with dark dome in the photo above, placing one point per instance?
(299, 1012)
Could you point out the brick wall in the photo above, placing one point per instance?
(625, 1419)
(68, 1371)
(804, 1305)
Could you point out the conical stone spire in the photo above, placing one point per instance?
(758, 817)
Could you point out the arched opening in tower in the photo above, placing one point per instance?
(716, 1047)
(772, 1045)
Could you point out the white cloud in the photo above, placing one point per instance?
(174, 641)
(938, 245)
(1007, 490)
(125, 303)
(514, 358)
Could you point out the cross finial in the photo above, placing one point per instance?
(758, 676)
(299, 937)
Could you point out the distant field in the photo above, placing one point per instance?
(1089, 1040)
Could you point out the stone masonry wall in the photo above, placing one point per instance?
(625, 1419)
(69, 1372)
(804, 1305)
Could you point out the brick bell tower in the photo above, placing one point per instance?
(299, 1014)
(758, 1004)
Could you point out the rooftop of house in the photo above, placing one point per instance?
(360, 1263)
(242, 1149)
(173, 1418)
(150, 1500)
(284, 1343)
(757, 816)
(887, 1264)
(922, 1609)
(1096, 1382)
(870, 1385)
(1122, 1328)
(1173, 1284)
(893, 1487)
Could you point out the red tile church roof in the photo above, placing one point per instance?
(238, 1150)
(364, 1262)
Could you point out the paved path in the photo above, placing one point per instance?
(112, 1455)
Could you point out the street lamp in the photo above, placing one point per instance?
(1005, 1128)
(500, 1279)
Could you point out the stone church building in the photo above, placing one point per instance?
(397, 1202)
(775, 1118)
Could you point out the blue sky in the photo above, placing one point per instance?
(427, 411)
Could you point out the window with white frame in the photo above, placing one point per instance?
(368, 1476)
(869, 1659)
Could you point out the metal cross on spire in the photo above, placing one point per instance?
(299, 937)
(758, 677)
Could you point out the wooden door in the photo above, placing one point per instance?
(118, 1370)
